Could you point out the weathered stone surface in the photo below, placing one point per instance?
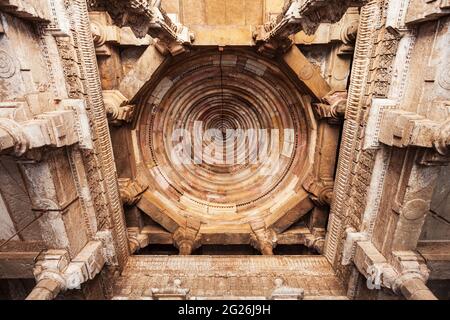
(79, 194)
(251, 277)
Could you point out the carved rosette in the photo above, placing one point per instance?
(7, 65)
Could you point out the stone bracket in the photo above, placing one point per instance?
(373, 127)
(117, 107)
(138, 239)
(402, 129)
(81, 123)
(299, 15)
(333, 106)
(316, 240)
(395, 275)
(262, 238)
(23, 132)
(106, 34)
(351, 240)
(109, 250)
(343, 33)
(321, 192)
(131, 190)
(146, 17)
(56, 265)
(54, 129)
(186, 238)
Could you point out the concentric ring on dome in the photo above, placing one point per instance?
(236, 90)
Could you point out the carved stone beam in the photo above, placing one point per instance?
(186, 237)
(307, 73)
(402, 129)
(118, 109)
(147, 17)
(299, 15)
(420, 11)
(142, 72)
(55, 272)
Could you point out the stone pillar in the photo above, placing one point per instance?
(46, 289)
(185, 238)
(415, 289)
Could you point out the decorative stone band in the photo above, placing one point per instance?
(54, 272)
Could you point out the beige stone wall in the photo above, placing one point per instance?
(223, 12)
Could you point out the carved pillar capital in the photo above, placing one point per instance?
(186, 239)
(137, 239)
(131, 190)
(55, 265)
(117, 107)
(262, 238)
(405, 273)
(321, 192)
(316, 240)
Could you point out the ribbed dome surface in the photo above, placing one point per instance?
(222, 132)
